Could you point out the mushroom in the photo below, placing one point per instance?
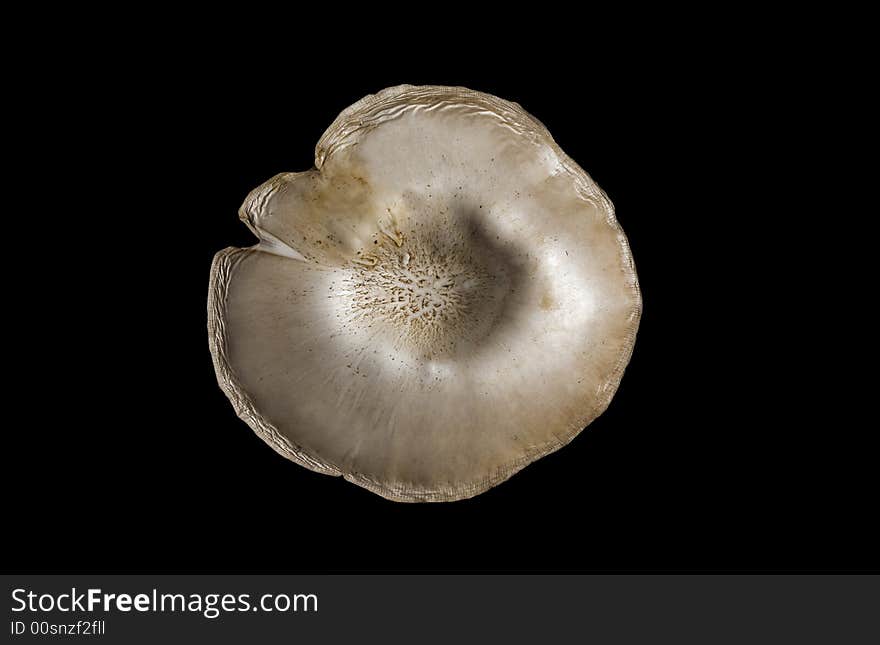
(443, 299)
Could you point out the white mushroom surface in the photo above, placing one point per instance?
(443, 299)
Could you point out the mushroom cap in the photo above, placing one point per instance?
(445, 298)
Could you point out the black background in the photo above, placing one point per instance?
(710, 457)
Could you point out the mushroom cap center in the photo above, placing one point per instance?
(434, 289)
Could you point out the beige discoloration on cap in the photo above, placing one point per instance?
(445, 298)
